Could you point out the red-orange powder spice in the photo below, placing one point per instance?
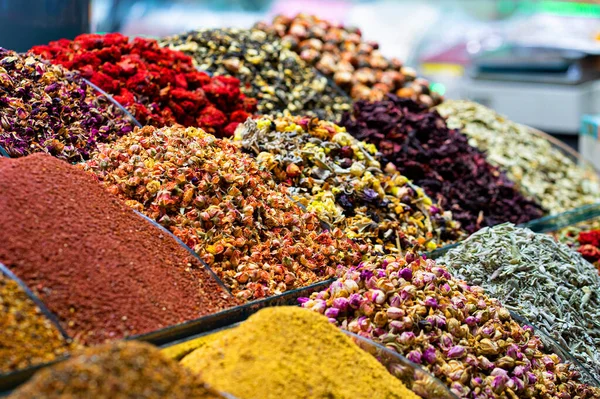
(103, 270)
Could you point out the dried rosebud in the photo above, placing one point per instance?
(414, 356)
(395, 313)
(456, 352)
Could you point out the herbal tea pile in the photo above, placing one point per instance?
(585, 238)
(44, 108)
(539, 169)
(351, 62)
(247, 361)
(543, 281)
(454, 330)
(28, 337)
(343, 181)
(126, 369)
(452, 173)
(103, 270)
(269, 71)
(226, 207)
(157, 85)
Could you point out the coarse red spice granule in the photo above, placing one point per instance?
(103, 270)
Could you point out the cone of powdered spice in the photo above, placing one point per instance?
(27, 336)
(290, 352)
(103, 270)
(118, 370)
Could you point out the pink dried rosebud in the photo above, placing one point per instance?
(364, 323)
(355, 300)
(429, 355)
(414, 356)
(446, 341)
(396, 301)
(531, 378)
(485, 363)
(397, 326)
(395, 313)
(408, 292)
(332, 313)
(548, 363)
(456, 352)
(406, 273)
(517, 384)
(445, 288)
(303, 300)
(341, 303)
(406, 337)
(376, 296)
(431, 302)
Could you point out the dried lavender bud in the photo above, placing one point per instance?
(539, 169)
(462, 336)
(44, 108)
(441, 161)
(341, 179)
(280, 81)
(541, 280)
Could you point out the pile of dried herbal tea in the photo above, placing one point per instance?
(159, 86)
(342, 180)
(584, 237)
(269, 72)
(102, 269)
(539, 169)
(44, 108)
(543, 281)
(225, 206)
(119, 370)
(319, 361)
(458, 333)
(352, 63)
(28, 337)
(441, 161)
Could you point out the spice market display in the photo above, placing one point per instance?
(223, 205)
(103, 270)
(125, 369)
(540, 170)
(343, 181)
(465, 338)
(543, 281)
(441, 161)
(354, 64)
(44, 108)
(247, 360)
(27, 336)
(271, 73)
(158, 189)
(584, 237)
(157, 85)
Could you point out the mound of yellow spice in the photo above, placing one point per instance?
(289, 352)
(118, 370)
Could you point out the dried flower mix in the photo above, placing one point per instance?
(159, 86)
(44, 108)
(225, 206)
(342, 180)
(462, 336)
(544, 281)
(441, 161)
(28, 338)
(119, 370)
(103, 270)
(584, 238)
(319, 360)
(539, 169)
(353, 63)
(270, 72)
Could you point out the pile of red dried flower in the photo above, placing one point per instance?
(159, 86)
(441, 161)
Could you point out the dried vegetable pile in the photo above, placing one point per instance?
(44, 108)
(543, 281)
(157, 85)
(441, 161)
(585, 238)
(226, 207)
(352, 63)
(120, 370)
(343, 181)
(103, 270)
(539, 169)
(28, 338)
(269, 72)
(247, 360)
(454, 330)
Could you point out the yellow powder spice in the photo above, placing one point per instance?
(290, 352)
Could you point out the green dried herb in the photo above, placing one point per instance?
(539, 169)
(542, 280)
